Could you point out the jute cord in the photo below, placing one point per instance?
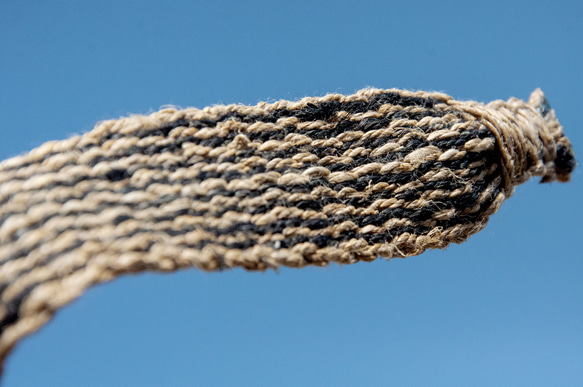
(337, 178)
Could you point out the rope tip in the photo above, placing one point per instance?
(560, 161)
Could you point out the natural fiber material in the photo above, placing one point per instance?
(333, 179)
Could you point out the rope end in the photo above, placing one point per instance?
(559, 160)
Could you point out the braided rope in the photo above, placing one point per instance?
(333, 179)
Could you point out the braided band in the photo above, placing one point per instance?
(333, 179)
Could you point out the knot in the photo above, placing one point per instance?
(530, 139)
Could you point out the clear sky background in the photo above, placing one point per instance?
(504, 308)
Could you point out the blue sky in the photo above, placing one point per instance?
(504, 308)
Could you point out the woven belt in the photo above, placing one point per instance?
(332, 179)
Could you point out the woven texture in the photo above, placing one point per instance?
(332, 179)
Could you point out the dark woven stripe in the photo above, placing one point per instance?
(415, 215)
(399, 178)
(318, 111)
(312, 112)
(359, 184)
